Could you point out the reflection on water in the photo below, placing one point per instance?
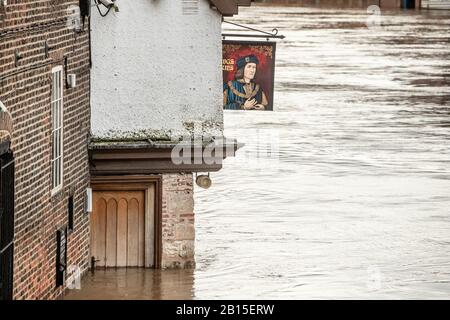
(353, 201)
(135, 284)
(356, 203)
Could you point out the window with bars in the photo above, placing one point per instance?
(57, 128)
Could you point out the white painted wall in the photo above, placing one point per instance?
(156, 70)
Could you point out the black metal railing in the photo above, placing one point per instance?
(6, 225)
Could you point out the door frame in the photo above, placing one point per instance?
(141, 183)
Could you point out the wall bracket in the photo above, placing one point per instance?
(263, 34)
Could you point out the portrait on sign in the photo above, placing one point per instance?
(248, 75)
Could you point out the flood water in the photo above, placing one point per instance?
(353, 199)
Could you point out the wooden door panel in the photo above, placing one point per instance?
(111, 233)
(100, 232)
(122, 233)
(133, 232)
(118, 228)
(141, 234)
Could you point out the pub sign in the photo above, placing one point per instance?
(248, 75)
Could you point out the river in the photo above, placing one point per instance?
(353, 199)
(343, 191)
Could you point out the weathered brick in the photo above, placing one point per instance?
(178, 232)
(25, 25)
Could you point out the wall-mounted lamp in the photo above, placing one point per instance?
(71, 78)
(17, 56)
(203, 181)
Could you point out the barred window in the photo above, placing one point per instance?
(57, 128)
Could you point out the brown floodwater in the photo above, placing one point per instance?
(344, 190)
(135, 284)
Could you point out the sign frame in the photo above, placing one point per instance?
(271, 79)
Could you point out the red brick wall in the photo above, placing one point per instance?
(25, 25)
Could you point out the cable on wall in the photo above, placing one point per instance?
(108, 4)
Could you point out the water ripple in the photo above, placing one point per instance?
(352, 201)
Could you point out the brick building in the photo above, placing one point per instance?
(52, 152)
(156, 79)
(48, 140)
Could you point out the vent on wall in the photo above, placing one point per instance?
(190, 7)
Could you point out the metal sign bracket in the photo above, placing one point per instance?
(263, 34)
